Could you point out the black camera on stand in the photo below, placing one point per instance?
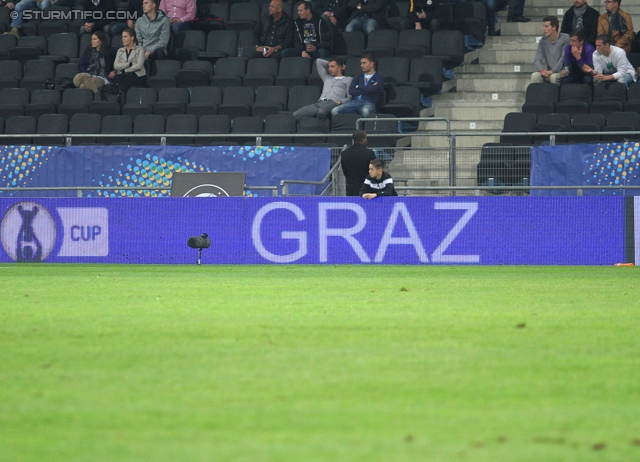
(199, 242)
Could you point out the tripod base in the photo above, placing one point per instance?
(199, 262)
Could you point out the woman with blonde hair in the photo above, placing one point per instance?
(129, 62)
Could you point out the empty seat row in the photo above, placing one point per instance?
(572, 99)
(597, 125)
(183, 125)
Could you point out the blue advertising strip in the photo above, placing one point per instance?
(149, 167)
(338, 230)
(604, 164)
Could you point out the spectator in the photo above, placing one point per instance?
(180, 13)
(420, 13)
(576, 55)
(16, 22)
(610, 63)
(355, 162)
(581, 17)
(378, 183)
(551, 50)
(129, 62)
(365, 90)
(96, 64)
(134, 11)
(273, 33)
(335, 12)
(334, 93)
(617, 24)
(152, 31)
(311, 36)
(366, 15)
(99, 21)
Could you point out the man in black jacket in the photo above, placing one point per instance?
(366, 15)
(311, 36)
(378, 183)
(355, 162)
(335, 12)
(273, 33)
(100, 20)
(581, 17)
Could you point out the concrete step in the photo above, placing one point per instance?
(496, 69)
(492, 112)
(526, 43)
(521, 28)
(461, 141)
(488, 84)
(480, 97)
(480, 125)
(506, 57)
(487, 103)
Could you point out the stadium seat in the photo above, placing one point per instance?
(213, 124)
(260, 72)
(448, 45)
(29, 48)
(148, 124)
(85, 124)
(620, 122)
(204, 101)
(608, 97)
(237, 102)
(8, 42)
(593, 123)
(36, 73)
(402, 101)
(52, 124)
(43, 102)
(382, 42)
(413, 43)
(48, 28)
(470, 18)
(163, 73)
(139, 101)
(397, 16)
(183, 124)
(426, 75)
(352, 67)
(349, 44)
(394, 70)
(575, 98)
(19, 125)
(194, 74)
(551, 123)
(248, 125)
(220, 44)
(171, 101)
(116, 125)
(300, 96)
(243, 16)
(11, 74)
(541, 98)
(189, 43)
(61, 48)
(104, 108)
(75, 101)
(221, 10)
(310, 125)
(293, 72)
(518, 122)
(66, 70)
(379, 124)
(270, 100)
(280, 124)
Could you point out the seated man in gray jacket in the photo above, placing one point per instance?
(335, 91)
(551, 50)
(153, 30)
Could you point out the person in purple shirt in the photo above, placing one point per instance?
(577, 55)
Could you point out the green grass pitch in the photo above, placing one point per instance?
(333, 363)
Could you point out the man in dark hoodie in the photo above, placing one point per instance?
(153, 31)
(100, 9)
(311, 36)
(581, 17)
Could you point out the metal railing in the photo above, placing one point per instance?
(441, 164)
(79, 189)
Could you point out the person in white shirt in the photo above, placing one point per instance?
(610, 63)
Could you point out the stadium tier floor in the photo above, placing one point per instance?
(322, 363)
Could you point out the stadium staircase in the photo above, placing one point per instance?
(491, 83)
